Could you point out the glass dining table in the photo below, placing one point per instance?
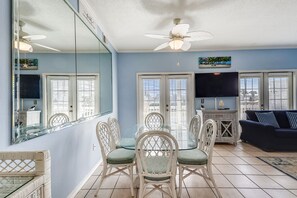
(184, 138)
(10, 184)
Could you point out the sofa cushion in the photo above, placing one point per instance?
(267, 118)
(286, 133)
(292, 117)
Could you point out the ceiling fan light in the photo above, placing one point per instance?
(23, 46)
(176, 44)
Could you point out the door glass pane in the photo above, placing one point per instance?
(278, 92)
(178, 103)
(249, 94)
(59, 96)
(151, 96)
(86, 98)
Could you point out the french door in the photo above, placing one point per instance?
(60, 91)
(171, 95)
(268, 90)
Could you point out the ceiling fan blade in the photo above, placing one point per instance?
(199, 36)
(157, 36)
(47, 47)
(186, 46)
(162, 46)
(180, 29)
(34, 37)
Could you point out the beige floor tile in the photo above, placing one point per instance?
(201, 192)
(103, 193)
(221, 182)
(235, 160)
(81, 194)
(122, 193)
(90, 182)
(253, 193)
(264, 181)
(215, 154)
(155, 194)
(279, 193)
(268, 170)
(253, 160)
(123, 182)
(241, 181)
(294, 192)
(285, 181)
(227, 169)
(225, 153)
(215, 171)
(230, 193)
(184, 193)
(98, 170)
(248, 170)
(108, 182)
(219, 160)
(195, 181)
(242, 154)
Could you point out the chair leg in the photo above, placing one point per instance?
(180, 177)
(131, 180)
(141, 189)
(103, 174)
(210, 175)
(173, 188)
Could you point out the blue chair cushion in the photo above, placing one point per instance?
(192, 157)
(267, 118)
(126, 143)
(156, 165)
(121, 156)
(292, 117)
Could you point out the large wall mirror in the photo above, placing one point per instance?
(61, 72)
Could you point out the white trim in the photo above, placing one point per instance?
(83, 181)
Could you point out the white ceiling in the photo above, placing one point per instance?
(235, 24)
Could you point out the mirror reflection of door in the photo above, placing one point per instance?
(60, 96)
(169, 94)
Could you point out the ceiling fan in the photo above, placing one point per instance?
(179, 37)
(25, 40)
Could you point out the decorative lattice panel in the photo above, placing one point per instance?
(104, 137)
(154, 121)
(10, 166)
(114, 128)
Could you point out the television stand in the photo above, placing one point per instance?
(227, 124)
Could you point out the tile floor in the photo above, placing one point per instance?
(237, 172)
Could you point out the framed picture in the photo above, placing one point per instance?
(28, 63)
(214, 62)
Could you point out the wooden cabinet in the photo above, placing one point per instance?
(227, 124)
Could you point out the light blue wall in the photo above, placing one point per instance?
(131, 63)
(72, 157)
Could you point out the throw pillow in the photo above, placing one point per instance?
(292, 117)
(267, 118)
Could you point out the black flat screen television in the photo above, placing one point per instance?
(29, 86)
(216, 84)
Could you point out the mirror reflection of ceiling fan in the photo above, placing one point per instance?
(26, 41)
(179, 37)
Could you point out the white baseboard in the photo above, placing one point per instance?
(85, 179)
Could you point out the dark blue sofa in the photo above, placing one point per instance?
(266, 136)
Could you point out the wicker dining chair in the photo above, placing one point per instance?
(195, 128)
(156, 156)
(154, 121)
(200, 158)
(115, 130)
(58, 119)
(121, 159)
